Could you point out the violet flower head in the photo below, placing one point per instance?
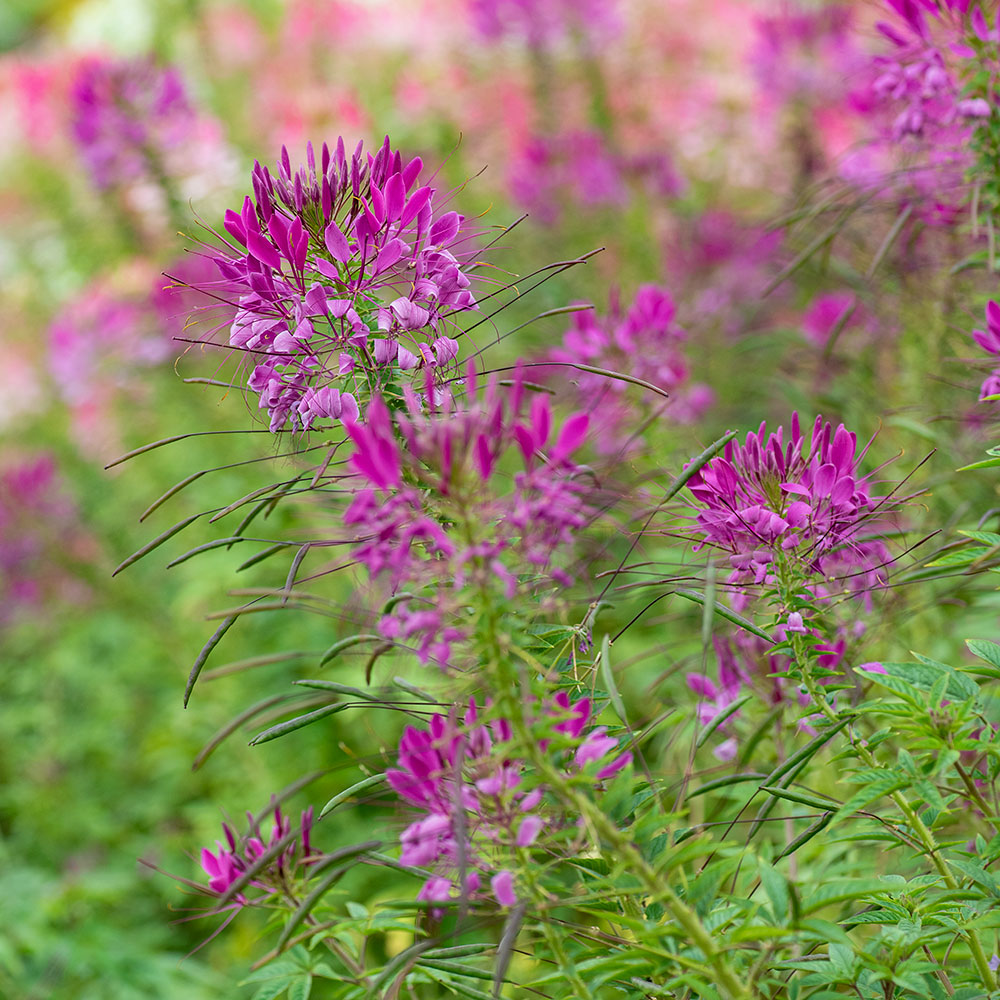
(805, 54)
(828, 312)
(475, 809)
(127, 114)
(645, 341)
(921, 118)
(347, 279)
(232, 859)
(433, 513)
(768, 499)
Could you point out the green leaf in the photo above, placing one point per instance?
(985, 650)
(270, 990)
(878, 786)
(300, 722)
(962, 557)
(987, 537)
(841, 891)
(300, 988)
(903, 678)
(776, 886)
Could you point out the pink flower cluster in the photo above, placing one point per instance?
(102, 338)
(126, 116)
(542, 23)
(645, 341)
(437, 514)
(805, 54)
(476, 808)
(723, 267)
(327, 255)
(767, 499)
(578, 168)
(233, 859)
(923, 120)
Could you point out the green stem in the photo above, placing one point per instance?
(922, 833)
(623, 848)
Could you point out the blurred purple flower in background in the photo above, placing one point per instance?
(127, 113)
(542, 23)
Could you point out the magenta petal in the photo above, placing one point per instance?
(503, 888)
(336, 243)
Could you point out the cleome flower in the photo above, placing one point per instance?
(476, 810)
(346, 281)
(645, 341)
(232, 860)
(767, 498)
(437, 513)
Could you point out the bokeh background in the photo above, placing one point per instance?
(681, 138)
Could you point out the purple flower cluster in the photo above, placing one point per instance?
(578, 168)
(767, 499)
(38, 528)
(746, 664)
(645, 341)
(233, 859)
(915, 100)
(436, 515)
(989, 341)
(476, 808)
(345, 280)
(126, 115)
(805, 54)
(723, 266)
(542, 23)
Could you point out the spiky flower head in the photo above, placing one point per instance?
(347, 282)
(768, 498)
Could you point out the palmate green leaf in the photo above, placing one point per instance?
(271, 990)
(908, 678)
(963, 556)
(841, 891)
(979, 875)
